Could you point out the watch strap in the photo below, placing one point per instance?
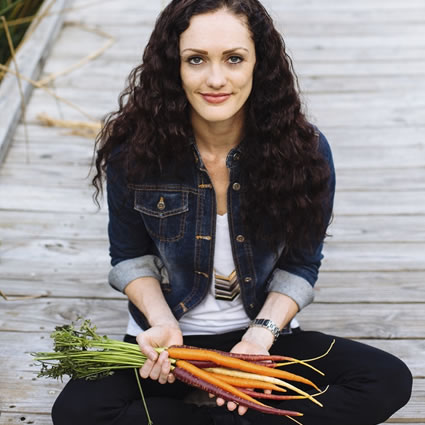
(268, 324)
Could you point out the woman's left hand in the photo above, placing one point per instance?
(246, 346)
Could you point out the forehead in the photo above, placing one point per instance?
(216, 30)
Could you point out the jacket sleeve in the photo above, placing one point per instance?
(296, 272)
(131, 249)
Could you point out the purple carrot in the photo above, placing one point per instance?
(203, 364)
(246, 357)
(195, 381)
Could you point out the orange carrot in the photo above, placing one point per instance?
(271, 396)
(190, 379)
(247, 383)
(271, 379)
(234, 363)
(207, 377)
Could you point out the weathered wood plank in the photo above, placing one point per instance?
(380, 203)
(348, 84)
(376, 179)
(79, 200)
(376, 136)
(60, 284)
(76, 175)
(333, 287)
(44, 314)
(34, 418)
(378, 157)
(376, 321)
(356, 287)
(370, 321)
(345, 157)
(346, 100)
(379, 256)
(362, 5)
(66, 254)
(16, 225)
(349, 136)
(392, 115)
(73, 176)
(47, 199)
(129, 51)
(377, 229)
(378, 15)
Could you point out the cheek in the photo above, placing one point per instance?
(244, 81)
(186, 78)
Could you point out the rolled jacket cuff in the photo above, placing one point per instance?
(293, 286)
(128, 270)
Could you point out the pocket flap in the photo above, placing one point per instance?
(161, 203)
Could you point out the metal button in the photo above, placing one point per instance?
(161, 204)
(236, 186)
(240, 238)
(248, 279)
(236, 156)
(251, 305)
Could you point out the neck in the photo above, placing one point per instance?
(216, 139)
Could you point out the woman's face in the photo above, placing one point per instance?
(217, 64)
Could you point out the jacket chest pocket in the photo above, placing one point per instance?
(164, 212)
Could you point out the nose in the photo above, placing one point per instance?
(216, 76)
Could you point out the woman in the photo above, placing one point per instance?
(220, 192)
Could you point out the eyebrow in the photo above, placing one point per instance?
(204, 52)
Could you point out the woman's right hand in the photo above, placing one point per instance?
(157, 367)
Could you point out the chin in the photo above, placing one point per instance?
(218, 114)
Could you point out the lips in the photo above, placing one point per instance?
(215, 97)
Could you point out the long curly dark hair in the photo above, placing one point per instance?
(285, 175)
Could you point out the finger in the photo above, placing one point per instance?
(146, 348)
(219, 401)
(149, 352)
(231, 406)
(165, 371)
(145, 370)
(171, 378)
(211, 395)
(242, 410)
(157, 368)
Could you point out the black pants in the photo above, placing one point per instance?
(366, 386)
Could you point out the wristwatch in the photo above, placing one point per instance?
(268, 324)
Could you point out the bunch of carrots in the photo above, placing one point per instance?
(233, 377)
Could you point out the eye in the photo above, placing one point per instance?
(195, 60)
(234, 60)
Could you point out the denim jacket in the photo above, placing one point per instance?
(165, 228)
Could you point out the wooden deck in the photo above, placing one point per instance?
(361, 65)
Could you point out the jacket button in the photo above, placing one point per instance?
(251, 305)
(236, 156)
(240, 238)
(236, 186)
(161, 204)
(248, 279)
